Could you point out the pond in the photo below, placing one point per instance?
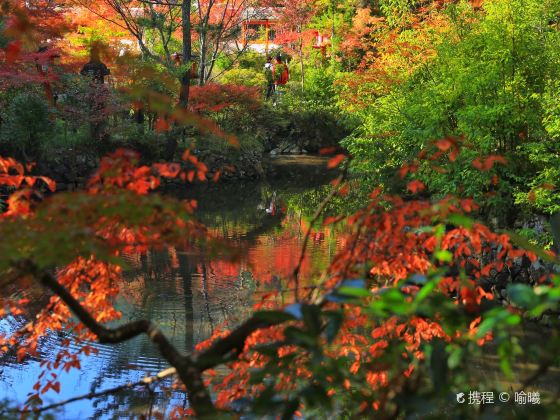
(189, 295)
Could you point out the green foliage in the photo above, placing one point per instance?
(131, 135)
(397, 12)
(150, 79)
(543, 240)
(242, 76)
(220, 146)
(440, 375)
(27, 121)
(493, 81)
(251, 60)
(308, 201)
(312, 119)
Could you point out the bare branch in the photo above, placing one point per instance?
(190, 375)
(148, 380)
(232, 344)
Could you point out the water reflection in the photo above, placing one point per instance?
(187, 295)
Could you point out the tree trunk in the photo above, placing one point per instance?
(202, 61)
(172, 142)
(186, 28)
(302, 70)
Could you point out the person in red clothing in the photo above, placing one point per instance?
(281, 76)
(281, 72)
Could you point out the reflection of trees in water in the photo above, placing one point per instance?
(189, 295)
(136, 402)
(179, 292)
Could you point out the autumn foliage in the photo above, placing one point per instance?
(411, 288)
(402, 256)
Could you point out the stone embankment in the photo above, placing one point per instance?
(71, 172)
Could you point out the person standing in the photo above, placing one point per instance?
(281, 76)
(95, 69)
(269, 76)
(281, 73)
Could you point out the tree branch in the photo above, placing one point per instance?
(232, 344)
(186, 369)
(148, 380)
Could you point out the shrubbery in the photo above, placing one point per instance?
(26, 122)
(488, 78)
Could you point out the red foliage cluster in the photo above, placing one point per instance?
(39, 23)
(93, 282)
(390, 241)
(13, 175)
(215, 97)
(120, 170)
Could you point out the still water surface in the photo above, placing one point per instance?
(188, 295)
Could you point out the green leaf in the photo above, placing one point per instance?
(455, 357)
(394, 300)
(523, 296)
(444, 255)
(353, 292)
(349, 290)
(426, 290)
(460, 220)
(273, 316)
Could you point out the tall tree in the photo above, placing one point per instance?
(187, 51)
(153, 25)
(218, 29)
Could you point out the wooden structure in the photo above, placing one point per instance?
(322, 42)
(259, 28)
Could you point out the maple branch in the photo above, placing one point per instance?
(148, 380)
(162, 3)
(233, 344)
(189, 373)
(188, 368)
(90, 9)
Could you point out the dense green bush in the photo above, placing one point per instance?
(298, 119)
(492, 81)
(27, 121)
(245, 77)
